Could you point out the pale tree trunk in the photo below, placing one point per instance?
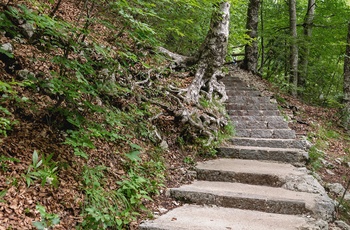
(209, 61)
(211, 56)
(293, 47)
(346, 87)
(261, 68)
(305, 52)
(250, 61)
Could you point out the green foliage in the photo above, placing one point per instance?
(43, 169)
(3, 159)
(47, 221)
(315, 157)
(2, 194)
(105, 208)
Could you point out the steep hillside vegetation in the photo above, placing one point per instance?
(91, 125)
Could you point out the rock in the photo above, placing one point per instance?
(28, 29)
(342, 225)
(162, 210)
(25, 74)
(327, 163)
(164, 145)
(348, 164)
(347, 196)
(315, 225)
(338, 160)
(304, 183)
(330, 172)
(336, 188)
(7, 47)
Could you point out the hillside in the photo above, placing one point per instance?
(91, 125)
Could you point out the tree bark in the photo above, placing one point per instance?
(293, 47)
(305, 49)
(211, 56)
(346, 86)
(250, 61)
(261, 68)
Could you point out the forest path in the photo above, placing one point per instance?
(259, 180)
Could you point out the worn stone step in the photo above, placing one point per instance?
(198, 217)
(246, 196)
(266, 133)
(254, 112)
(246, 106)
(248, 172)
(232, 92)
(269, 142)
(288, 155)
(249, 99)
(259, 122)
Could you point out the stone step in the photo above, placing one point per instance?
(254, 112)
(245, 106)
(249, 99)
(287, 155)
(259, 122)
(266, 133)
(231, 92)
(247, 171)
(198, 217)
(246, 196)
(269, 142)
(239, 88)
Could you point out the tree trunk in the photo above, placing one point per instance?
(346, 87)
(250, 61)
(293, 47)
(305, 52)
(261, 68)
(211, 56)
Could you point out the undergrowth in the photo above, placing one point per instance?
(97, 95)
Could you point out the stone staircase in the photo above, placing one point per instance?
(259, 182)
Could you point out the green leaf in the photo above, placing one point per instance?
(80, 153)
(8, 54)
(39, 225)
(133, 156)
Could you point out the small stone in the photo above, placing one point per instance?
(24, 74)
(7, 47)
(162, 210)
(164, 145)
(336, 188)
(348, 164)
(29, 29)
(329, 172)
(338, 160)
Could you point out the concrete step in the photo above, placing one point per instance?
(197, 217)
(259, 122)
(268, 142)
(246, 106)
(232, 92)
(266, 133)
(245, 196)
(247, 171)
(249, 99)
(287, 155)
(254, 112)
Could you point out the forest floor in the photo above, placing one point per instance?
(38, 130)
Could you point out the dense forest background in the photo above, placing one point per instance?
(94, 122)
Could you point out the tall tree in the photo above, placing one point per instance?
(346, 86)
(250, 61)
(305, 49)
(294, 46)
